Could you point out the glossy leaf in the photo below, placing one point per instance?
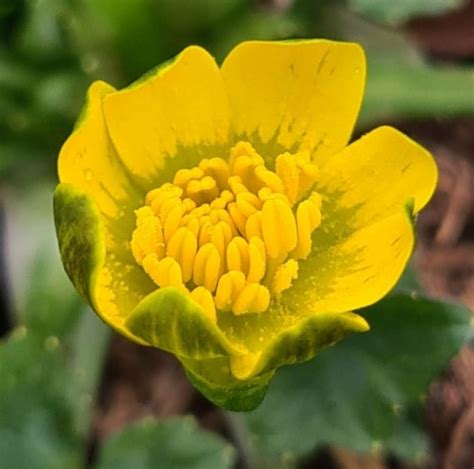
(175, 444)
(36, 419)
(354, 394)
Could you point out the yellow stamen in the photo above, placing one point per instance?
(207, 265)
(232, 232)
(229, 287)
(278, 228)
(165, 272)
(253, 298)
(204, 299)
(182, 246)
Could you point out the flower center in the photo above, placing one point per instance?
(230, 233)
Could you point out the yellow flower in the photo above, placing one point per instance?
(218, 214)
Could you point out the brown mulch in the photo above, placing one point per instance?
(448, 36)
(445, 261)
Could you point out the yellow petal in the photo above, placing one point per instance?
(92, 175)
(88, 160)
(109, 281)
(301, 95)
(376, 175)
(179, 111)
(338, 276)
(298, 343)
(342, 275)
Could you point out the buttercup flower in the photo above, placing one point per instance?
(218, 214)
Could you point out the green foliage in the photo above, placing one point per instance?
(36, 420)
(354, 394)
(437, 91)
(174, 444)
(51, 364)
(396, 12)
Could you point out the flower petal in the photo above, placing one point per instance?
(239, 383)
(339, 276)
(348, 274)
(172, 118)
(299, 95)
(366, 236)
(377, 174)
(95, 185)
(170, 320)
(88, 161)
(299, 343)
(81, 237)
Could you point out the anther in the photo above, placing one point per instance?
(231, 232)
(207, 265)
(203, 298)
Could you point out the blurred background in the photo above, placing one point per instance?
(74, 395)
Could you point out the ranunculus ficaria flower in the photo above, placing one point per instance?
(217, 213)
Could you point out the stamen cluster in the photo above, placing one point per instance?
(230, 233)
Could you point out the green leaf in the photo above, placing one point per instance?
(396, 12)
(397, 88)
(409, 441)
(174, 444)
(355, 394)
(47, 392)
(36, 420)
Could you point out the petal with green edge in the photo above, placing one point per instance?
(240, 383)
(340, 275)
(170, 320)
(299, 343)
(80, 237)
(295, 95)
(89, 163)
(214, 380)
(81, 243)
(377, 174)
(171, 119)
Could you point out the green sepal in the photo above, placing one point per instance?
(215, 381)
(80, 237)
(306, 339)
(170, 320)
